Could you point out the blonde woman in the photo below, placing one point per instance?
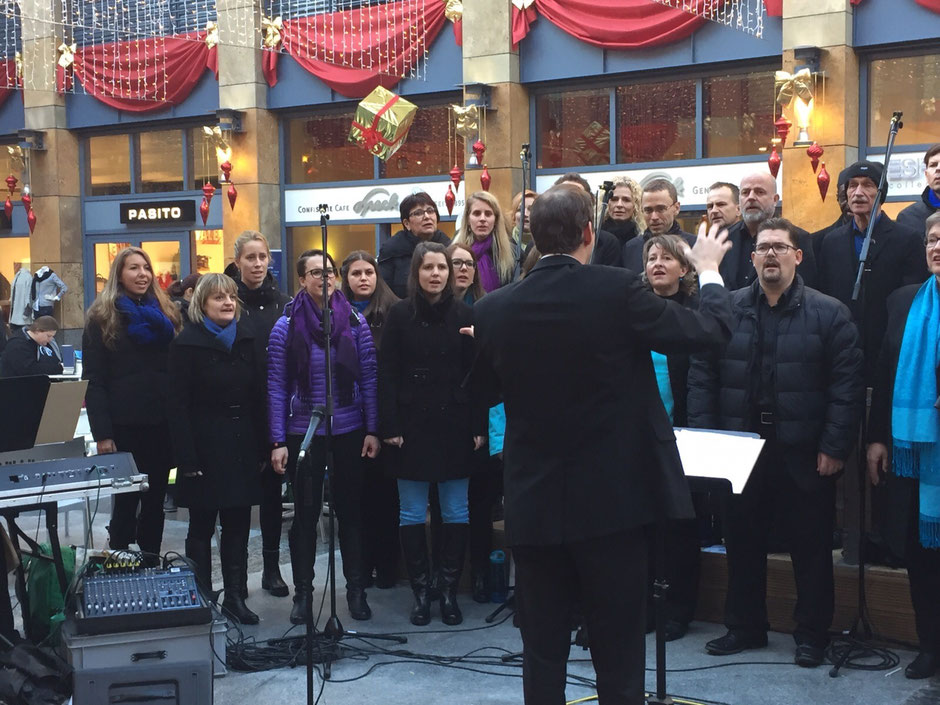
(127, 338)
(484, 230)
(624, 217)
(217, 426)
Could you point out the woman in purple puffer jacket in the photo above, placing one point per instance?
(296, 384)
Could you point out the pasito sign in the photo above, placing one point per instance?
(371, 203)
(161, 212)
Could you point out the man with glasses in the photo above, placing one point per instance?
(419, 218)
(793, 374)
(660, 206)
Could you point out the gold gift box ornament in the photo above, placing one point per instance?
(382, 122)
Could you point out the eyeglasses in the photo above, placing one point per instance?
(779, 248)
(461, 263)
(318, 273)
(931, 243)
(422, 212)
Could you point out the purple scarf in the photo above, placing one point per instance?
(306, 324)
(483, 251)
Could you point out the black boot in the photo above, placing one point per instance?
(350, 548)
(480, 593)
(200, 553)
(302, 568)
(271, 579)
(453, 550)
(235, 580)
(415, 547)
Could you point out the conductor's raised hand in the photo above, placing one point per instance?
(709, 249)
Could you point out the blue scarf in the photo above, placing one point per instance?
(146, 322)
(933, 198)
(224, 336)
(915, 422)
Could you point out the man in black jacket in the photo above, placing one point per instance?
(419, 219)
(660, 206)
(723, 204)
(607, 247)
(792, 373)
(915, 215)
(590, 456)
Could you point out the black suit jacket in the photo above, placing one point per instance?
(589, 448)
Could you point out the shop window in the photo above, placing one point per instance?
(574, 129)
(164, 254)
(14, 253)
(319, 151)
(11, 164)
(109, 163)
(426, 150)
(656, 122)
(910, 84)
(161, 161)
(204, 159)
(343, 240)
(210, 251)
(105, 252)
(737, 111)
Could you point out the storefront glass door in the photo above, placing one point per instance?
(170, 254)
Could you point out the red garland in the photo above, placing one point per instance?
(9, 81)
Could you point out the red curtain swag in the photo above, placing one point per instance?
(930, 4)
(9, 81)
(775, 7)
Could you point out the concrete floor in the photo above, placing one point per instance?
(765, 676)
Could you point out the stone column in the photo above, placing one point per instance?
(255, 150)
(826, 24)
(54, 176)
(489, 58)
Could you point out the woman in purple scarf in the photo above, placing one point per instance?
(297, 384)
(484, 230)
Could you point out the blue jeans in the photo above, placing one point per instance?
(413, 499)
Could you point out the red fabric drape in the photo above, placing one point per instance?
(930, 4)
(379, 57)
(130, 75)
(775, 7)
(9, 82)
(269, 66)
(458, 33)
(521, 23)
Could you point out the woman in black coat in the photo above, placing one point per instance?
(217, 427)
(124, 358)
(32, 350)
(419, 220)
(427, 415)
(902, 528)
(262, 304)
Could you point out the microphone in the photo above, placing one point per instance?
(316, 417)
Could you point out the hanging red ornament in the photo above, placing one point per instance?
(783, 129)
(226, 168)
(478, 149)
(204, 211)
(8, 209)
(31, 220)
(773, 161)
(27, 202)
(11, 183)
(232, 195)
(814, 152)
(455, 175)
(822, 180)
(485, 178)
(449, 200)
(208, 190)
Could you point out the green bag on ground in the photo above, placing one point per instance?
(46, 601)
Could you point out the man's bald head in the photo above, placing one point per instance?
(758, 198)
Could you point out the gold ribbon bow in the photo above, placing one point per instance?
(214, 136)
(16, 157)
(272, 31)
(787, 85)
(466, 120)
(453, 10)
(67, 54)
(212, 35)
(523, 4)
(18, 63)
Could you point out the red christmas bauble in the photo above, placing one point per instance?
(11, 183)
(773, 162)
(485, 178)
(232, 195)
(204, 210)
(31, 220)
(814, 152)
(27, 202)
(783, 129)
(449, 200)
(822, 180)
(208, 190)
(226, 168)
(8, 209)
(455, 175)
(478, 148)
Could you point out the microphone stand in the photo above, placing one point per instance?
(861, 628)
(524, 157)
(600, 210)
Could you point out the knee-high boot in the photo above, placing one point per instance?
(199, 552)
(415, 547)
(235, 578)
(453, 551)
(301, 562)
(350, 547)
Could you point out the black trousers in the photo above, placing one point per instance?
(345, 496)
(272, 488)
(486, 486)
(923, 571)
(608, 574)
(381, 547)
(150, 446)
(682, 564)
(771, 495)
(235, 521)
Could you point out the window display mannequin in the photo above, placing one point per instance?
(45, 290)
(21, 305)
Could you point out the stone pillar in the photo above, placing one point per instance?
(489, 58)
(255, 150)
(826, 24)
(54, 176)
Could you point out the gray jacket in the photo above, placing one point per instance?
(48, 291)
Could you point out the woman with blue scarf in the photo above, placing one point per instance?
(217, 425)
(904, 445)
(125, 345)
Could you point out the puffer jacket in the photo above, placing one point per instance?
(289, 412)
(915, 215)
(818, 372)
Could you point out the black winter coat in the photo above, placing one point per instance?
(607, 250)
(915, 215)
(678, 365)
(737, 269)
(423, 393)
(633, 250)
(21, 358)
(127, 386)
(818, 380)
(395, 258)
(896, 259)
(261, 307)
(216, 418)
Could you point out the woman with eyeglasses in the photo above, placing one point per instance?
(419, 219)
(483, 229)
(297, 384)
(365, 289)
(429, 418)
(467, 287)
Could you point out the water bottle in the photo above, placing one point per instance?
(498, 577)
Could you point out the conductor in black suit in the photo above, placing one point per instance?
(590, 456)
